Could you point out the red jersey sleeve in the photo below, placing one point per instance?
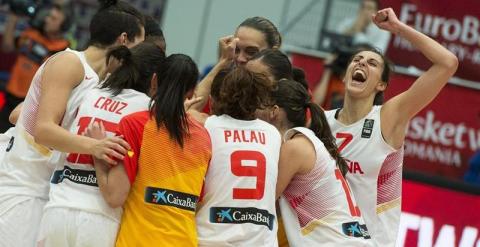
(131, 128)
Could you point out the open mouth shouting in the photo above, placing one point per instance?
(359, 76)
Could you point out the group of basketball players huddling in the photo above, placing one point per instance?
(112, 146)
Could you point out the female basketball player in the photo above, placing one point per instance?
(371, 136)
(76, 211)
(49, 108)
(160, 179)
(252, 35)
(316, 203)
(238, 207)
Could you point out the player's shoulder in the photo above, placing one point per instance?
(135, 119)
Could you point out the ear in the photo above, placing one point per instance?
(190, 93)
(153, 85)
(381, 86)
(122, 39)
(274, 113)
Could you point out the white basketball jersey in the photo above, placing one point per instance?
(25, 169)
(318, 208)
(375, 173)
(5, 140)
(74, 183)
(238, 206)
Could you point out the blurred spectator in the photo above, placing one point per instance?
(39, 41)
(362, 28)
(473, 173)
(154, 34)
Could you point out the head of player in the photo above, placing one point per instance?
(240, 93)
(367, 76)
(138, 66)
(290, 110)
(255, 34)
(154, 34)
(176, 80)
(276, 65)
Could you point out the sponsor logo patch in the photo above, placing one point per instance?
(355, 229)
(86, 177)
(230, 215)
(171, 198)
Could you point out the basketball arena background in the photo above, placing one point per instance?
(440, 208)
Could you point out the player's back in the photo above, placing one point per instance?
(318, 207)
(73, 184)
(238, 207)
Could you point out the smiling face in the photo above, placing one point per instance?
(363, 76)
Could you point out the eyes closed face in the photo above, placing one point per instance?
(364, 72)
(250, 42)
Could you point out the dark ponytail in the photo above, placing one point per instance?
(107, 3)
(177, 76)
(137, 67)
(298, 75)
(294, 99)
(320, 127)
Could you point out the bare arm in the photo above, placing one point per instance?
(399, 110)
(8, 42)
(297, 156)
(63, 73)
(112, 181)
(15, 114)
(227, 47)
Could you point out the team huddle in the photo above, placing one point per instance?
(120, 145)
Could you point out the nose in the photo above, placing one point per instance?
(241, 58)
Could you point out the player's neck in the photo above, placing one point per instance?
(354, 110)
(96, 58)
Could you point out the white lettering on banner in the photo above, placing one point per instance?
(458, 32)
(446, 134)
(433, 154)
(426, 226)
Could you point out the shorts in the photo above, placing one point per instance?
(76, 228)
(19, 220)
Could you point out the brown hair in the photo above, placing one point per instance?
(240, 93)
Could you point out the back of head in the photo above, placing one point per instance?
(241, 93)
(265, 26)
(177, 76)
(112, 19)
(137, 67)
(294, 99)
(277, 62)
(153, 33)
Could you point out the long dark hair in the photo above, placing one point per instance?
(177, 75)
(112, 19)
(265, 26)
(137, 67)
(294, 99)
(280, 66)
(240, 93)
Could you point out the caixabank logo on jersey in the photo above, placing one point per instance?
(171, 198)
(230, 215)
(86, 177)
(355, 229)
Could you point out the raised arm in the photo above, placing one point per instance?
(399, 110)
(227, 47)
(63, 73)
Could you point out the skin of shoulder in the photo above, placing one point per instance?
(297, 156)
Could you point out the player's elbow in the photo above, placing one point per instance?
(40, 133)
(451, 63)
